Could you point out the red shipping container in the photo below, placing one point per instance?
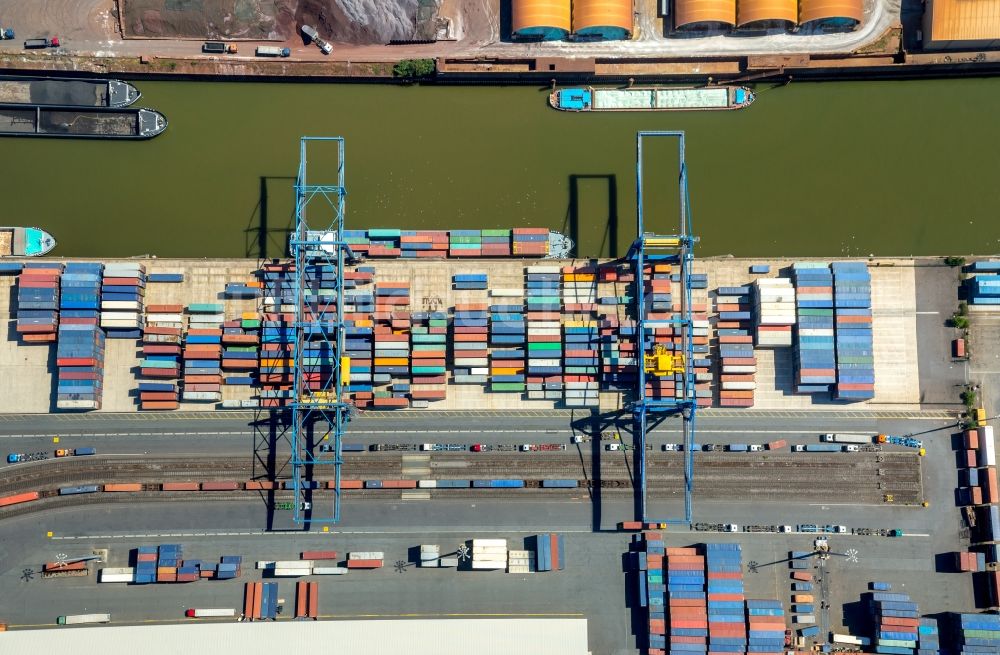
(364, 563)
(181, 486)
(990, 491)
(348, 484)
(970, 455)
(220, 486)
(168, 396)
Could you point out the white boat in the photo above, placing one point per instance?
(25, 242)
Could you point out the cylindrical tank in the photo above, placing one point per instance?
(767, 13)
(610, 20)
(546, 20)
(693, 14)
(835, 13)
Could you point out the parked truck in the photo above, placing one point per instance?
(199, 613)
(313, 35)
(79, 452)
(6, 33)
(219, 48)
(35, 44)
(272, 51)
(846, 438)
(738, 448)
(76, 619)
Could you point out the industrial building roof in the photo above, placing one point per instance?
(751, 11)
(540, 13)
(964, 20)
(375, 637)
(593, 13)
(811, 10)
(690, 12)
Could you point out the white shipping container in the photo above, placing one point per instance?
(293, 564)
(544, 324)
(490, 542)
(78, 404)
(804, 618)
(700, 323)
(507, 293)
(329, 570)
(265, 564)
(543, 269)
(289, 573)
(212, 396)
(815, 332)
(544, 332)
(117, 577)
(987, 446)
(131, 305)
(430, 548)
(427, 484)
(489, 565)
(479, 371)
(448, 562)
(489, 551)
(165, 318)
(544, 362)
(739, 386)
(471, 361)
(370, 554)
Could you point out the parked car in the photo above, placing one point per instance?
(671, 447)
(612, 446)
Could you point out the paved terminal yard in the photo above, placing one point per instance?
(593, 585)
(894, 301)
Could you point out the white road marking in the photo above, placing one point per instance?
(928, 313)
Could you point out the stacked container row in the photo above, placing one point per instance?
(774, 311)
(726, 610)
(765, 627)
(80, 346)
(359, 335)
(470, 344)
(983, 283)
(429, 357)
(508, 344)
(543, 289)
(38, 302)
(392, 361)
(815, 354)
(973, 633)
(123, 290)
(737, 363)
(897, 620)
(202, 353)
(277, 334)
(855, 346)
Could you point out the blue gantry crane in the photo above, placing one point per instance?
(319, 413)
(677, 249)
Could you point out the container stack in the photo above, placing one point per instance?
(38, 302)
(470, 282)
(123, 289)
(489, 554)
(430, 555)
(652, 591)
(359, 339)
(168, 558)
(774, 312)
(975, 633)
(392, 345)
(687, 609)
(616, 330)
(429, 350)
(496, 243)
(384, 243)
(508, 336)
(737, 364)
(852, 286)
(465, 243)
(277, 334)
(896, 622)
(521, 561)
(765, 627)
(423, 244)
(161, 352)
(470, 344)
(544, 304)
(581, 386)
(80, 362)
(202, 354)
(241, 352)
(551, 552)
(660, 331)
(579, 289)
(530, 242)
(228, 568)
(815, 357)
(727, 632)
(145, 565)
(365, 559)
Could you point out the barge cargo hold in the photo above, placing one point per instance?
(650, 98)
(25, 242)
(66, 92)
(95, 123)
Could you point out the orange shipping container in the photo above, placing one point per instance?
(123, 486)
(181, 486)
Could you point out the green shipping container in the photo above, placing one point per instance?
(507, 386)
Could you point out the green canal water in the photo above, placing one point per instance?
(831, 169)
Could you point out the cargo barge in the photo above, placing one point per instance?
(65, 92)
(25, 242)
(93, 123)
(420, 244)
(652, 98)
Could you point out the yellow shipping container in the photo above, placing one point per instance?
(249, 316)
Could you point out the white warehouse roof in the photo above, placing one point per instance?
(375, 637)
